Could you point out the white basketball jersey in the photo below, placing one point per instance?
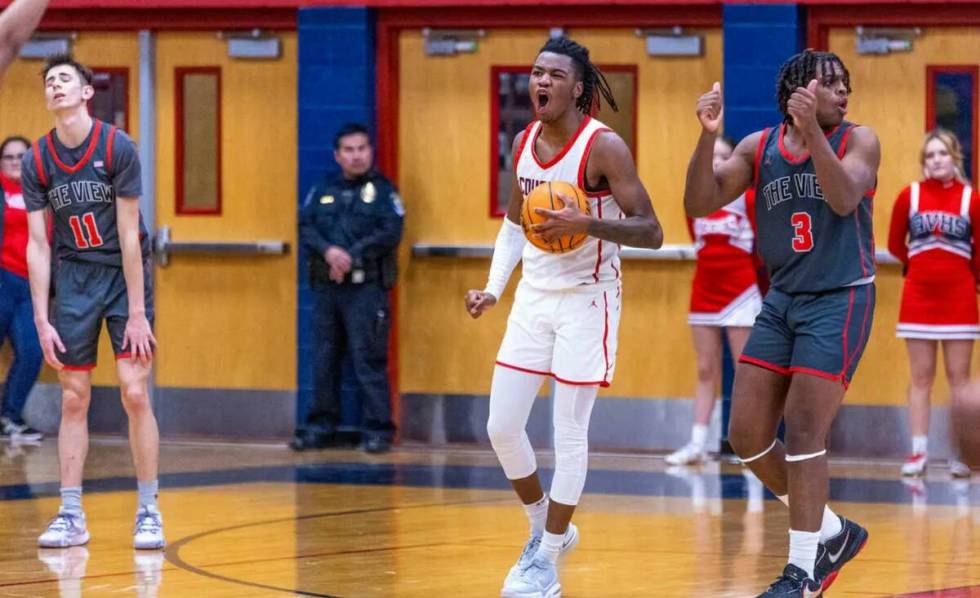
(594, 262)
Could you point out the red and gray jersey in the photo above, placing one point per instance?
(804, 244)
(81, 186)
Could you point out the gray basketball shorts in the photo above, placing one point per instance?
(86, 294)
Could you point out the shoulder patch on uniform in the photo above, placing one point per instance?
(396, 200)
(326, 199)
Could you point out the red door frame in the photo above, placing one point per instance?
(391, 22)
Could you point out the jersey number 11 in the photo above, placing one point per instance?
(89, 236)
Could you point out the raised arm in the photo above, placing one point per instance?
(844, 180)
(706, 188)
(17, 24)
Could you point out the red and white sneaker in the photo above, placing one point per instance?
(915, 465)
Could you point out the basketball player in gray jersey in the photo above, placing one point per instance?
(87, 175)
(814, 176)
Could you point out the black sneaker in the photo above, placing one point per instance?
(837, 551)
(793, 583)
(310, 440)
(376, 444)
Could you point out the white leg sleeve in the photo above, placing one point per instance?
(512, 395)
(572, 410)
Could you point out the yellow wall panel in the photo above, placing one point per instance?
(444, 130)
(890, 96)
(230, 322)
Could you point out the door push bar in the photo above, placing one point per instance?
(164, 246)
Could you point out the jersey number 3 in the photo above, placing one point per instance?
(803, 240)
(89, 236)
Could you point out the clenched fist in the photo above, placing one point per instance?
(478, 302)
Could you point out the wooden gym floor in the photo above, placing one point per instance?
(262, 521)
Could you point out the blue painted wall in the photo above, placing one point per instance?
(336, 86)
(758, 38)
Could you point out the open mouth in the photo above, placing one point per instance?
(543, 100)
(59, 96)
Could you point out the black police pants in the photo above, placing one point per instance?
(355, 318)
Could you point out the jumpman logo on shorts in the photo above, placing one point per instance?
(594, 304)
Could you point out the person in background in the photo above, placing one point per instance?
(16, 309)
(351, 225)
(934, 236)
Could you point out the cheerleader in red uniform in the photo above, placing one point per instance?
(725, 295)
(935, 230)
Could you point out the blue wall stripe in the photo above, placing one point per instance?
(337, 84)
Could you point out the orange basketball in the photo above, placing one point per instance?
(546, 196)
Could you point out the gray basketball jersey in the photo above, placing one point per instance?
(805, 245)
(81, 186)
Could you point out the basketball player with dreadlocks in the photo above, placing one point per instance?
(815, 176)
(566, 313)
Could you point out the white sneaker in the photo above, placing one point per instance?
(690, 454)
(537, 580)
(148, 531)
(915, 465)
(66, 529)
(958, 469)
(149, 573)
(69, 565)
(527, 556)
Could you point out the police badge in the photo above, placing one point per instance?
(368, 193)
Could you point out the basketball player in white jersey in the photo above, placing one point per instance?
(566, 313)
(17, 24)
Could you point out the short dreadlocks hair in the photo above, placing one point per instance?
(593, 80)
(802, 68)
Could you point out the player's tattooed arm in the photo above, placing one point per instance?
(610, 164)
(17, 24)
(613, 161)
(707, 189)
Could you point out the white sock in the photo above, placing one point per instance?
(699, 436)
(803, 550)
(831, 525)
(920, 445)
(537, 514)
(783, 498)
(551, 546)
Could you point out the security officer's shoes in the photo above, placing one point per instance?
(310, 440)
(376, 444)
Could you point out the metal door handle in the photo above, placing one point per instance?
(164, 247)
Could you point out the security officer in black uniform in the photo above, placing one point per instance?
(351, 225)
